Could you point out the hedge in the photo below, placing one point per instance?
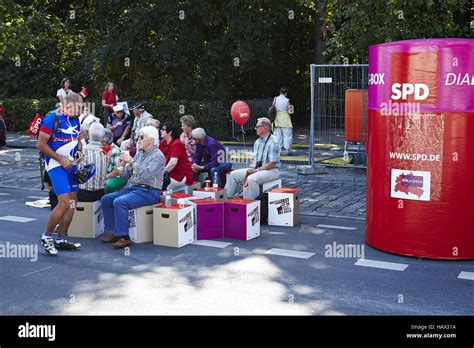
(214, 117)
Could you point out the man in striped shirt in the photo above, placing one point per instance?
(93, 189)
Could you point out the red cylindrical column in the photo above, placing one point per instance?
(420, 148)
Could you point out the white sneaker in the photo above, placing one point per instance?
(47, 243)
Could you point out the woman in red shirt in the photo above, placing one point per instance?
(109, 100)
(177, 162)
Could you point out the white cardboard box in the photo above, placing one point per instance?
(283, 207)
(190, 189)
(140, 224)
(177, 198)
(265, 187)
(173, 226)
(88, 220)
(219, 193)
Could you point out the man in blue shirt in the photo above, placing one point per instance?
(61, 149)
(264, 168)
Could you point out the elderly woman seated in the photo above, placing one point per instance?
(93, 189)
(188, 123)
(145, 179)
(210, 157)
(177, 162)
(113, 182)
(155, 123)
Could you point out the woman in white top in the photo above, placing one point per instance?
(64, 90)
(283, 126)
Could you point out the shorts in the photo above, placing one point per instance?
(63, 181)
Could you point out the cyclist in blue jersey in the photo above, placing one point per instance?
(62, 152)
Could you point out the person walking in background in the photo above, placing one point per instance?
(188, 123)
(63, 92)
(283, 127)
(109, 100)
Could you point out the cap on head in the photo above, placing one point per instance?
(138, 106)
(118, 108)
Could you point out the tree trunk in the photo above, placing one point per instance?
(319, 33)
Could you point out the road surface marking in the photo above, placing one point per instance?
(37, 197)
(274, 232)
(381, 264)
(338, 227)
(4, 194)
(40, 270)
(466, 275)
(289, 253)
(16, 218)
(9, 201)
(211, 243)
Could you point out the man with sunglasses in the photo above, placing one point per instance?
(265, 166)
(145, 179)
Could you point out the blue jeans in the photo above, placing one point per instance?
(117, 204)
(221, 170)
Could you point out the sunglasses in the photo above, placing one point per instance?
(258, 126)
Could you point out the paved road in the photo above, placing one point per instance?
(238, 279)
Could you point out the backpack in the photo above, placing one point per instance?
(34, 130)
(35, 124)
(272, 111)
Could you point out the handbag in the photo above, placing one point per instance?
(272, 111)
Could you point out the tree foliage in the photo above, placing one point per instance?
(202, 50)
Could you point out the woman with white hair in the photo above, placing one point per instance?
(155, 123)
(145, 179)
(210, 157)
(93, 189)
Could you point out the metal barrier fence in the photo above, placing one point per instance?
(339, 113)
(258, 108)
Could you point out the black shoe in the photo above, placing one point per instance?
(64, 244)
(289, 154)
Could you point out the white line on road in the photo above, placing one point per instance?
(4, 194)
(381, 264)
(211, 243)
(40, 270)
(37, 197)
(337, 227)
(16, 218)
(9, 201)
(466, 275)
(289, 253)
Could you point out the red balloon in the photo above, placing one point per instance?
(240, 112)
